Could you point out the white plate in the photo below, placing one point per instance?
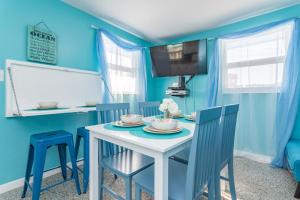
(150, 129)
(122, 124)
(189, 117)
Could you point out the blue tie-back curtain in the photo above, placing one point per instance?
(288, 100)
(255, 130)
(213, 74)
(214, 63)
(103, 65)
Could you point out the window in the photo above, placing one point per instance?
(255, 63)
(122, 68)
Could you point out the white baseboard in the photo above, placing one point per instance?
(20, 182)
(252, 156)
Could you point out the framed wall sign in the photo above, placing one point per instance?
(41, 44)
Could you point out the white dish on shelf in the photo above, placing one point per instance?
(131, 118)
(47, 104)
(91, 103)
(164, 124)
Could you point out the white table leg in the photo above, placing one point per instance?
(94, 178)
(161, 170)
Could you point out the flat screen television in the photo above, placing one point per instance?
(187, 58)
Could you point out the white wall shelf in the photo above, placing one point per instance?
(26, 113)
(34, 83)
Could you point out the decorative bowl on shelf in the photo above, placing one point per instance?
(47, 104)
(131, 118)
(91, 103)
(164, 124)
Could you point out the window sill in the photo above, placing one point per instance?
(251, 90)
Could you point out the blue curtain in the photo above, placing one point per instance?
(103, 67)
(285, 107)
(214, 63)
(213, 74)
(288, 102)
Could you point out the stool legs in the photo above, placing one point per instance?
(63, 159)
(74, 165)
(39, 157)
(77, 144)
(86, 168)
(28, 169)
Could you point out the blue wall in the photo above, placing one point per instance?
(199, 86)
(75, 49)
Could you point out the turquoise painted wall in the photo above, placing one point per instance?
(75, 50)
(199, 85)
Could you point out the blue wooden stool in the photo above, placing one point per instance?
(39, 143)
(83, 133)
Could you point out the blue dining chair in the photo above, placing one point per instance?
(123, 162)
(188, 182)
(229, 118)
(150, 108)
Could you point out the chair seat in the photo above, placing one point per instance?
(52, 137)
(177, 179)
(127, 163)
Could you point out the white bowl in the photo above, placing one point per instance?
(48, 104)
(131, 118)
(164, 124)
(91, 103)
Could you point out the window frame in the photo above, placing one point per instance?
(274, 88)
(121, 68)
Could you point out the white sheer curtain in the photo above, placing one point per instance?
(251, 75)
(123, 66)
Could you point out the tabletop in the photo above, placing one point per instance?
(160, 145)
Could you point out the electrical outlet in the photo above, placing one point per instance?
(1, 75)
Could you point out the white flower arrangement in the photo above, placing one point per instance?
(169, 106)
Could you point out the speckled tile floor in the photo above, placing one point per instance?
(254, 181)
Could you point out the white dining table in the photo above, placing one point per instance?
(159, 149)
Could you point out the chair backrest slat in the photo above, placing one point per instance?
(229, 117)
(150, 108)
(107, 113)
(203, 153)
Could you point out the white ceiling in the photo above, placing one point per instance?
(164, 19)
